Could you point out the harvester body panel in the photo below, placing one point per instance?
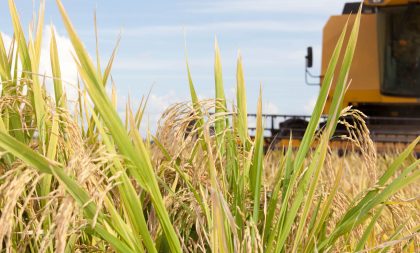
(384, 79)
(370, 71)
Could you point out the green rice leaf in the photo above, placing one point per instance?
(60, 98)
(130, 200)
(368, 230)
(241, 102)
(138, 157)
(342, 81)
(4, 64)
(320, 103)
(39, 30)
(305, 146)
(108, 68)
(255, 174)
(20, 37)
(221, 108)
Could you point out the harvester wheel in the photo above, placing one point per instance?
(294, 126)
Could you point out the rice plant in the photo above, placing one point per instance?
(79, 178)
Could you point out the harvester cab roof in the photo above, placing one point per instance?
(389, 2)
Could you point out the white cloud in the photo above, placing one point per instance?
(156, 105)
(270, 108)
(6, 40)
(310, 105)
(67, 65)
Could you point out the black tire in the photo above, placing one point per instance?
(294, 126)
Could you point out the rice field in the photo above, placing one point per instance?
(79, 178)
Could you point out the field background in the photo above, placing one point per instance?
(78, 177)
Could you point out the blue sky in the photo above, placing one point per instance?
(271, 35)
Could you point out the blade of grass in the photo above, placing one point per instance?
(241, 102)
(4, 65)
(325, 210)
(368, 230)
(270, 231)
(313, 172)
(131, 201)
(51, 153)
(22, 47)
(141, 168)
(310, 131)
(384, 178)
(255, 174)
(37, 161)
(108, 67)
(320, 103)
(342, 82)
(39, 30)
(221, 108)
(60, 98)
(358, 213)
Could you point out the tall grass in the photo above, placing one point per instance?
(85, 180)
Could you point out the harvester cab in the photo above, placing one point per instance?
(385, 75)
(386, 68)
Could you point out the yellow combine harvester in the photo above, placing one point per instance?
(385, 75)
